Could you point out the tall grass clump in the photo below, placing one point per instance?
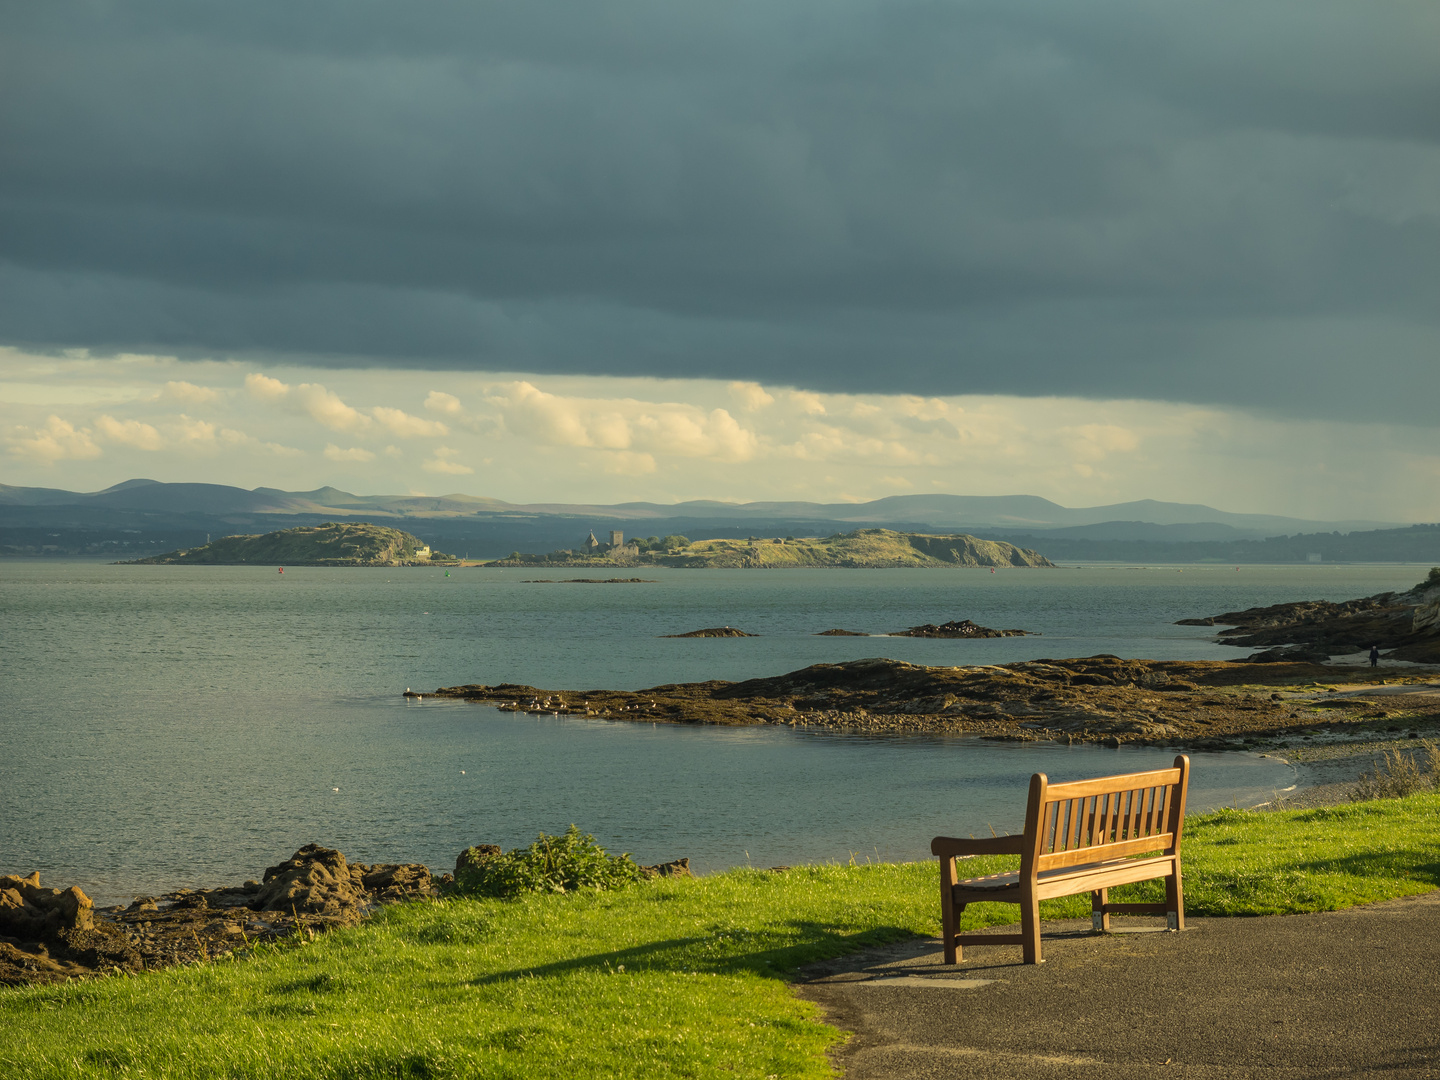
(552, 864)
(1398, 774)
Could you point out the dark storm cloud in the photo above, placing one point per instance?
(1230, 202)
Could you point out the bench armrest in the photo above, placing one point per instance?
(948, 847)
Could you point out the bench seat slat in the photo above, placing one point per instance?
(1103, 876)
(1074, 879)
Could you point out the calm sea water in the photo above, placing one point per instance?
(166, 726)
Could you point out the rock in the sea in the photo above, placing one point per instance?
(32, 913)
(964, 628)
(714, 631)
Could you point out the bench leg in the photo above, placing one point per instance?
(1175, 900)
(1030, 929)
(955, 952)
(1099, 919)
(949, 915)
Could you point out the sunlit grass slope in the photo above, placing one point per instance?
(669, 978)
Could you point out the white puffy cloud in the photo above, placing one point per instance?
(354, 453)
(657, 429)
(806, 402)
(189, 393)
(406, 426)
(265, 388)
(443, 462)
(330, 410)
(132, 433)
(57, 440)
(327, 407)
(751, 395)
(441, 402)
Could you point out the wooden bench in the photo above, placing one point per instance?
(1079, 837)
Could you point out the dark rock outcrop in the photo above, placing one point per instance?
(964, 628)
(1405, 625)
(714, 631)
(33, 913)
(674, 868)
(319, 881)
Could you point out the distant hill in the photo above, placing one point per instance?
(330, 544)
(141, 518)
(864, 548)
(1015, 512)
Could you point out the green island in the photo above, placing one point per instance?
(330, 544)
(672, 976)
(863, 548)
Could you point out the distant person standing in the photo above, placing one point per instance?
(1374, 655)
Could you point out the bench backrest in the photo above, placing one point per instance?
(1110, 817)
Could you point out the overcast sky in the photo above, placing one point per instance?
(1212, 227)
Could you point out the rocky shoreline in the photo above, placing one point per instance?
(1207, 705)
(51, 935)
(1404, 626)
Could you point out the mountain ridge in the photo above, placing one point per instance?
(942, 510)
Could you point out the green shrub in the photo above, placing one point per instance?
(556, 864)
(1430, 582)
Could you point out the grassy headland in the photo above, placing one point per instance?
(670, 977)
(330, 544)
(860, 549)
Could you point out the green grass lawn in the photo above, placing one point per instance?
(666, 978)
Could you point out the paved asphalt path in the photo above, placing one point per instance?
(1348, 993)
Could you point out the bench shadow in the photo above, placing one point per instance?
(689, 954)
